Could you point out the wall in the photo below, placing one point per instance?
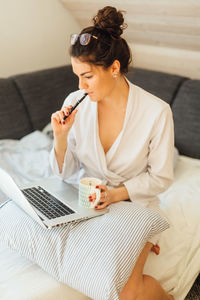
(34, 35)
(164, 35)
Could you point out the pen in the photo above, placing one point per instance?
(73, 108)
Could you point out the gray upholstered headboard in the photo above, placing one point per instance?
(183, 94)
(186, 113)
(28, 100)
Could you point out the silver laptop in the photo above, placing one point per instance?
(50, 202)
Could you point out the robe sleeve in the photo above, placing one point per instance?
(159, 173)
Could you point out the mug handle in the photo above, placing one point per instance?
(98, 196)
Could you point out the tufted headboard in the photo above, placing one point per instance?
(28, 100)
(183, 95)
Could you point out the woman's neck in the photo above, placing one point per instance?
(119, 94)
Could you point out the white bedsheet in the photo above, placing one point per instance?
(26, 160)
(22, 280)
(177, 265)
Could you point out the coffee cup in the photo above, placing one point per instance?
(87, 187)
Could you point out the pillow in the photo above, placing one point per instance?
(186, 108)
(94, 256)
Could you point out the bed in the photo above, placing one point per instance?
(180, 248)
(178, 264)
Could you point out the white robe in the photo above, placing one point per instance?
(141, 158)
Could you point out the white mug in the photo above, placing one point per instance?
(87, 186)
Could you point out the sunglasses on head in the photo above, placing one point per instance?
(84, 38)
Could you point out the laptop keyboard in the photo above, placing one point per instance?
(47, 204)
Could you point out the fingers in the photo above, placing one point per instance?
(102, 187)
(101, 205)
(66, 111)
(62, 127)
(55, 117)
(104, 199)
(60, 114)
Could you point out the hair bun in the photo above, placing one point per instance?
(111, 20)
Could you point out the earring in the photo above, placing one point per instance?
(115, 76)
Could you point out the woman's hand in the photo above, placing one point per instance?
(60, 127)
(109, 196)
(105, 199)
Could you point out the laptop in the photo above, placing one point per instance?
(51, 202)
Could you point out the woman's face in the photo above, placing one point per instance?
(95, 80)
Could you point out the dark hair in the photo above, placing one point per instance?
(108, 27)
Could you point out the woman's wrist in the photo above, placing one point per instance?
(60, 150)
(118, 194)
(60, 144)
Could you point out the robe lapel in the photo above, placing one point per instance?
(104, 161)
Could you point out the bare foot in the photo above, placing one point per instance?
(155, 249)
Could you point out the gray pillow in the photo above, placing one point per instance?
(160, 84)
(186, 112)
(14, 122)
(95, 256)
(44, 91)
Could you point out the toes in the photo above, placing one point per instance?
(155, 249)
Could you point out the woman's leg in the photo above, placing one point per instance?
(143, 287)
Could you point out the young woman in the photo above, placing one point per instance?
(120, 134)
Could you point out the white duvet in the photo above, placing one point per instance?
(26, 160)
(178, 263)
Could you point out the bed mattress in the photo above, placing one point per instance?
(176, 267)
